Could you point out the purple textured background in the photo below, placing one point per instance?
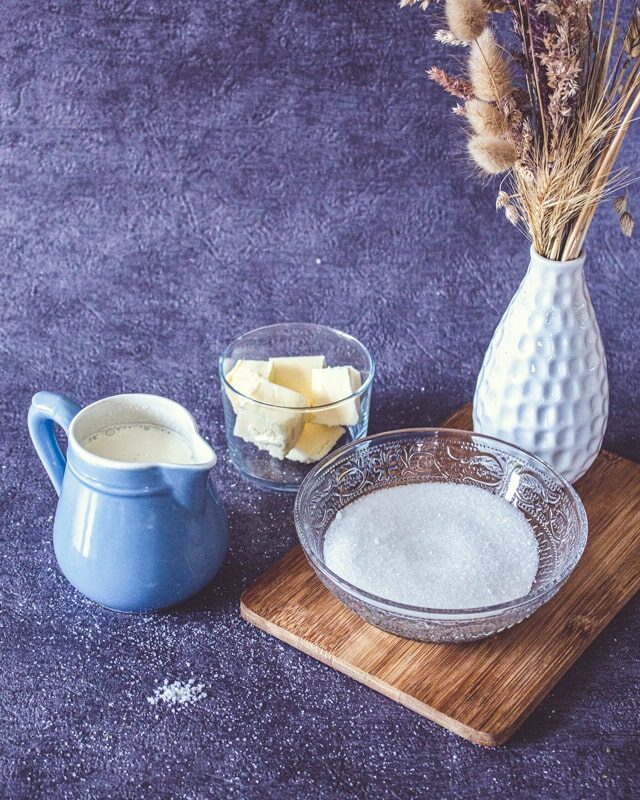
(173, 174)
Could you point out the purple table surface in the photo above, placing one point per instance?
(173, 174)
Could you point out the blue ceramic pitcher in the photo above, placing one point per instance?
(131, 536)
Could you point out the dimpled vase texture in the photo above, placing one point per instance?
(543, 383)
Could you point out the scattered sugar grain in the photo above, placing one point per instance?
(443, 545)
(178, 693)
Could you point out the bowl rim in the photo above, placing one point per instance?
(550, 587)
(364, 387)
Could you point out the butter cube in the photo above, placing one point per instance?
(275, 395)
(331, 385)
(244, 365)
(314, 443)
(275, 432)
(294, 372)
(245, 377)
(275, 427)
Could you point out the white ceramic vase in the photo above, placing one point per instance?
(543, 383)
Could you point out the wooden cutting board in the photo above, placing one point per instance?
(483, 690)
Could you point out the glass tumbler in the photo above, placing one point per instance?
(274, 445)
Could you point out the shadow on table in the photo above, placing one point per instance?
(241, 568)
(214, 597)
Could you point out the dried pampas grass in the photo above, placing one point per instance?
(489, 72)
(626, 223)
(458, 87)
(485, 118)
(621, 204)
(553, 114)
(446, 37)
(491, 154)
(466, 18)
(424, 4)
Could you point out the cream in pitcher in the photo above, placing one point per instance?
(139, 525)
(138, 442)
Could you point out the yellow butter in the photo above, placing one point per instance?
(294, 372)
(245, 377)
(274, 427)
(275, 431)
(275, 395)
(314, 443)
(331, 385)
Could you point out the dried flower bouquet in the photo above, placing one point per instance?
(551, 112)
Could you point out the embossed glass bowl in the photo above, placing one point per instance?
(422, 455)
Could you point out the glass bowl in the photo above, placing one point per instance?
(348, 418)
(421, 455)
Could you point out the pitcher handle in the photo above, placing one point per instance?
(47, 409)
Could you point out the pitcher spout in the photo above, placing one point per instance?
(187, 486)
(204, 457)
(188, 482)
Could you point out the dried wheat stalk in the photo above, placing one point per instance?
(552, 114)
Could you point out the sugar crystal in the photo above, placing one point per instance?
(177, 693)
(439, 545)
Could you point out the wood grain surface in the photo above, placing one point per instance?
(483, 690)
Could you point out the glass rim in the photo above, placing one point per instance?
(309, 325)
(548, 587)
